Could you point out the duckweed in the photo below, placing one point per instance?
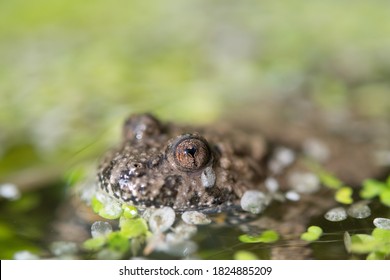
(313, 233)
(344, 195)
(268, 236)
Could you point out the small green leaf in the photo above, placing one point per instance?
(376, 256)
(244, 255)
(344, 195)
(312, 233)
(133, 227)
(371, 188)
(385, 197)
(268, 236)
(129, 211)
(381, 234)
(363, 243)
(94, 244)
(110, 211)
(118, 242)
(96, 205)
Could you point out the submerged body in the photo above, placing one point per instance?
(206, 169)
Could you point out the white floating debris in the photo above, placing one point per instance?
(336, 214)
(316, 149)
(382, 223)
(293, 196)
(208, 177)
(271, 184)
(63, 248)
(254, 201)
(100, 228)
(162, 219)
(285, 156)
(9, 191)
(195, 218)
(347, 241)
(183, 231)
(147, 213)
(281, 158)
(304, 182)
(25, 255)
(359, 210)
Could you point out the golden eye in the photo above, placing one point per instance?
(191, 153)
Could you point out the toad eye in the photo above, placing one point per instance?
(190, 153)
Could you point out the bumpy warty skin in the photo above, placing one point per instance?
(160, 164)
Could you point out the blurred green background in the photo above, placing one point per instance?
(71, 71)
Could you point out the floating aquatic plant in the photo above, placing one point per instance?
(131, 228)
(344, 195)
(267, 236)
(313, 233)
(107, 209)
(244, 255)
(376, 245)
(129, 211)
(94, 244)
(374, 188)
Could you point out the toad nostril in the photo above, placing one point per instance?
(136, 169)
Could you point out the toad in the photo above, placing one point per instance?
(163, 164)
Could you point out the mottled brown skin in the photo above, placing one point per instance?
(161, 164)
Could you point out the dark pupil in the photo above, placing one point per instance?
(190, 151)
(191, 154)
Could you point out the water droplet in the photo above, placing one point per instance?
(195, 218)
(254, 201)
(293, 196)
(208, 177)
(359, 210)
(100, 228)
(382, 223)
(304, 182)
(281, 158)
(336, 214)
(162, 219)
(285, 156)
(271, 184)
(316, 149)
